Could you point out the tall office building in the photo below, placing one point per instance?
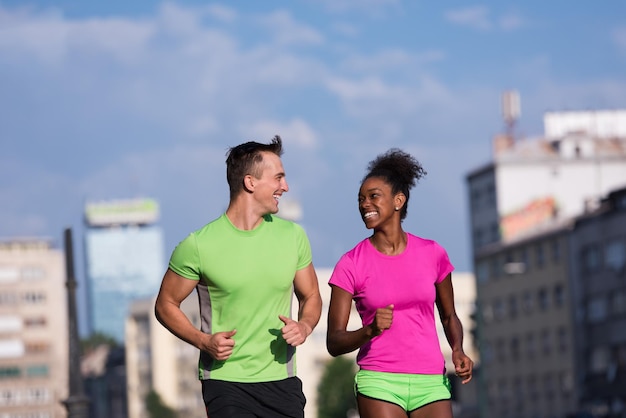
(523, 209)
(33, 330)
(124, 260)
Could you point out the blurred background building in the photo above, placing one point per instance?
(124, 260)
(33, 329)
(546, 237)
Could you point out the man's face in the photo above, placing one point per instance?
(271, 185)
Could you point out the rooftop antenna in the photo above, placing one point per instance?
(510, 111)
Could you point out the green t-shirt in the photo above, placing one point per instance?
(245, 280)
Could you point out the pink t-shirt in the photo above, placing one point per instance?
(407, 281)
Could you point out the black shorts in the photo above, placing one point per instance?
(278, 399)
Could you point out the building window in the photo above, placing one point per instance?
(615, 256)
(559, 296)
(514, 348)
(37, 395)
(34, 298)
(524, 258)
(500, 350)
(35, 322)
(33, 273)
(556, 251)
(527, 301)
(475, 194)
(8, 397)
(478, 237)
(539, 255)
(566, 380)
(532, 389)
(618, 302)
(9, 274)
(590, 259)
(546, 341)
(512, 306)
(487, 312)
(37, 347)
(495, 232)
(10, 324)
(494, 268)
(596, 309)
(40, 370)
(9, 372)
(599, 359)
(549, 385)
(544, 299)
(482, 272)
(8, 298)
(563, 342)
(498, 310)
(531, 345)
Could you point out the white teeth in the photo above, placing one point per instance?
(369, 214)
(277, 197)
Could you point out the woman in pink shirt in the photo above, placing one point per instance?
(395, 280)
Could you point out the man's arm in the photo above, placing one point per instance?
(309, 310)
(174, 289)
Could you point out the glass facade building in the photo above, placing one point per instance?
(124, 260)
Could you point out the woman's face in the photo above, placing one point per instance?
(377, 203)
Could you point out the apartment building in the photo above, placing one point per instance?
(33, 329)
(523, 211)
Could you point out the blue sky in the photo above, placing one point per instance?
(122, 99)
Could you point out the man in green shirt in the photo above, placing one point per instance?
(246, 266)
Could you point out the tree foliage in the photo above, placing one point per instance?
(335, 392)
(156, 408)
(95, 340)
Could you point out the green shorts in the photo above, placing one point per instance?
(409, 391)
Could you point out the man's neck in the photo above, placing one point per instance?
(243, 216)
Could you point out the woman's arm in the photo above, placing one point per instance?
(453, 329)
(341, 341)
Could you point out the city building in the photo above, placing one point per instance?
(34, 352)
(124, 260)
(158, 361)
(523, 210)
(598, 271)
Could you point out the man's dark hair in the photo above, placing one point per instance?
(245, 159)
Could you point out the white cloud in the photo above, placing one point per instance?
(296, 131)
(476, 17)
(369, 7)
(222, 13)
(479, 18)
(287, 31)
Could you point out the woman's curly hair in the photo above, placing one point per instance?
(398, 169)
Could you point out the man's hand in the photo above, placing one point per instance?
(220, 345)
(294, 332)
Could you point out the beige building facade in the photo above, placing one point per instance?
(33, 330)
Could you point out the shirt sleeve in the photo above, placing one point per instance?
(185, 260)
(445, 267)
(305, 256)
(343, 275)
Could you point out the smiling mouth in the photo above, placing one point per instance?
(368, 215)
